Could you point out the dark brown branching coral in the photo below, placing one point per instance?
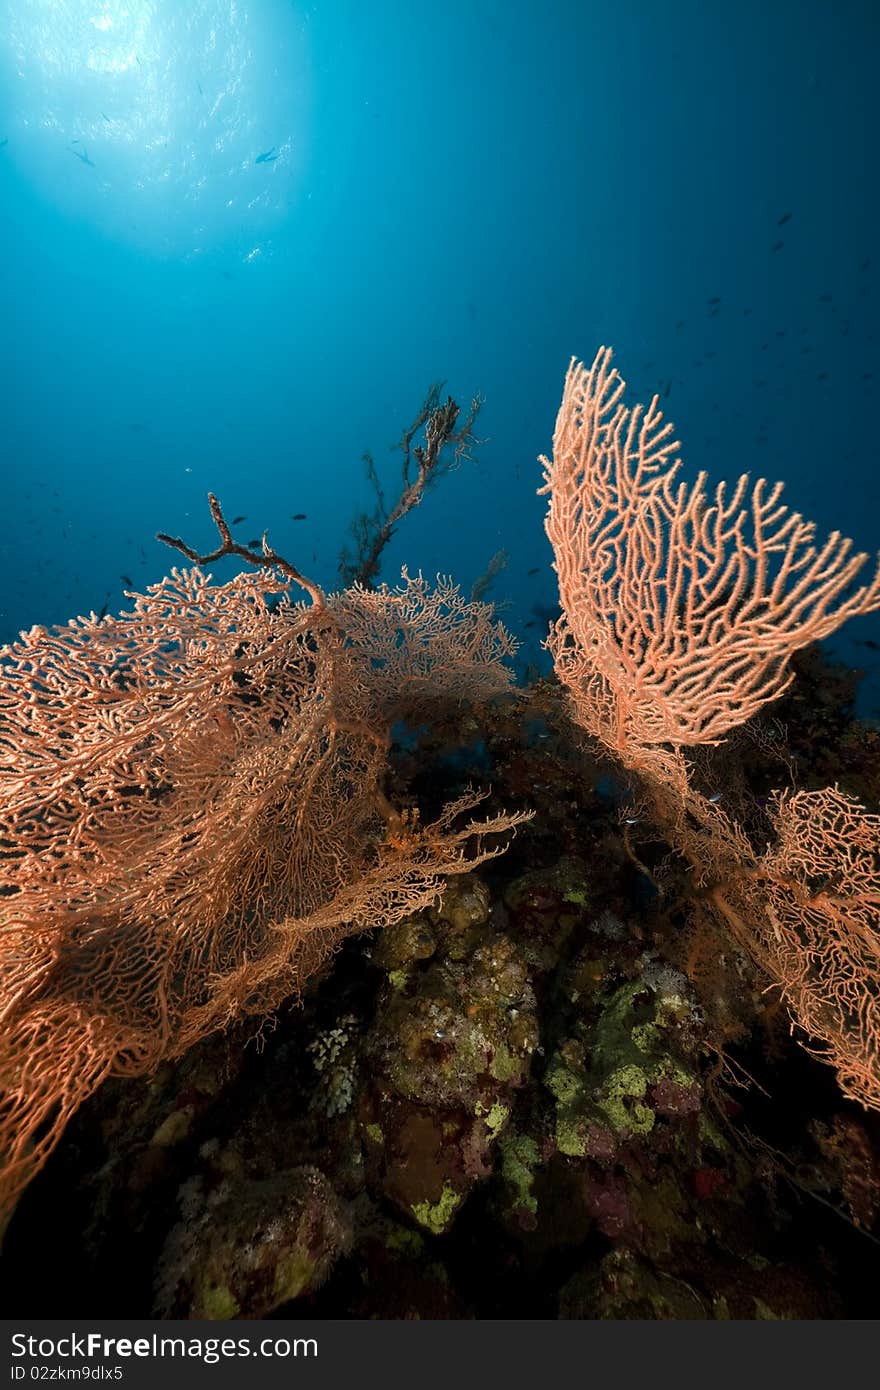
(445, 442)
(194, 816)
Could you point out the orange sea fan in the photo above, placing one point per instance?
(193, 817)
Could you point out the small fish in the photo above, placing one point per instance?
(716, 797)
(716, 299)
(103, 612)
(777, 246)
(127, 581)
(199, 85)
(631, 820)
(536, 570)
(266, 157)
(786, 217)
(867, 642)
(84, 157)
(237, 519)
(253, 544)
(299, 516)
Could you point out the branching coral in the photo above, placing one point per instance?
(681, 610)
(193, 817)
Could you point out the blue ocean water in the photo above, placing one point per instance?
(240, 241)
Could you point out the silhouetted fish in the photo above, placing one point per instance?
(786, 217)
(546, 614)
(777, 246)
(237, 519)
(127, 581)
(299, 516)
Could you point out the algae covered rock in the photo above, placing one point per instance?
(245, 1248)
(449, 1049)
(636, 1060)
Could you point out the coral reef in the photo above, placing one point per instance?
(351, 1062)
(548, 1094)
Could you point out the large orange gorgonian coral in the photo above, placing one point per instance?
(681, 610)
(193, 816)
(681, 607)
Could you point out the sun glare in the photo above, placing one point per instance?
(149, 115)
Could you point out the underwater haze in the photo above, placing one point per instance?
(240, 241)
